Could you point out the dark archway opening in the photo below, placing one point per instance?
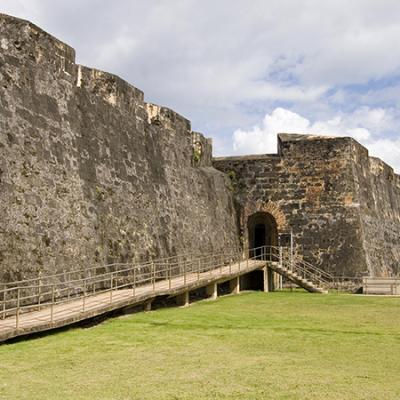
(259, 235)
(262, 231)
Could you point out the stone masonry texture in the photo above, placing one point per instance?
(342, 206)
(91, 174)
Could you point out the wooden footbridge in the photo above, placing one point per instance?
(54, 301)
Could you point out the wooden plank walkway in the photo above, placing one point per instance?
(67, 312)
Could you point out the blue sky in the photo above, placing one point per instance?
(243, 71)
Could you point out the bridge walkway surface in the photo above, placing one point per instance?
(66, 312)
(54, 301)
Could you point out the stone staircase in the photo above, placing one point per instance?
(300, 272)
(305, 283)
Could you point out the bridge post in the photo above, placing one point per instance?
(68, 279)
(111, 286)
(212, 291)
(266, 272)
(4, 301)
(84, 295)
(153, 275)
(40, 289)
(134, 281)
(147, 305)
(17, 315)
(169, 273)
(183, 299)
(276, 280)
(52, 305)
(234, 285)
(198, 270)
(291, 249)
(94, 282)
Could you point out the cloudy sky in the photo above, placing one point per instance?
(242, 70)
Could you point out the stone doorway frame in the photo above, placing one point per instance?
(259, 206)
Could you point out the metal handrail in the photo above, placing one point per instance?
(85, 270)
(328, 280)
(24, 296)
(327, 276)
(307, 270)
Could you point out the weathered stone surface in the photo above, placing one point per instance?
(377, 192)
(342, 205)
(90, 173)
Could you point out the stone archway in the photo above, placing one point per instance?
(273, 215)
(261, 231)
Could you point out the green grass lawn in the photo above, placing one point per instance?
(252, 346)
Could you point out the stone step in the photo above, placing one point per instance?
(294, 277)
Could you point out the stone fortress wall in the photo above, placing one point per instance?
(377, 192)
(92, 174)
(342, 206)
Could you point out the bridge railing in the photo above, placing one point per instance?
(310, 272)
(265, 253)
(296, 264)
(318, 276)
(48, 291)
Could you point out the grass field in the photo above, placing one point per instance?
(252, 346)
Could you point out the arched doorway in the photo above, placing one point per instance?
(262, 231)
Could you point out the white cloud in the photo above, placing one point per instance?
(386, 149)
(225, 46)
(360, 125)
(262, 139)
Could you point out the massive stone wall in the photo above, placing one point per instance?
(377, 192)
(90, 173)
(341, 205)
